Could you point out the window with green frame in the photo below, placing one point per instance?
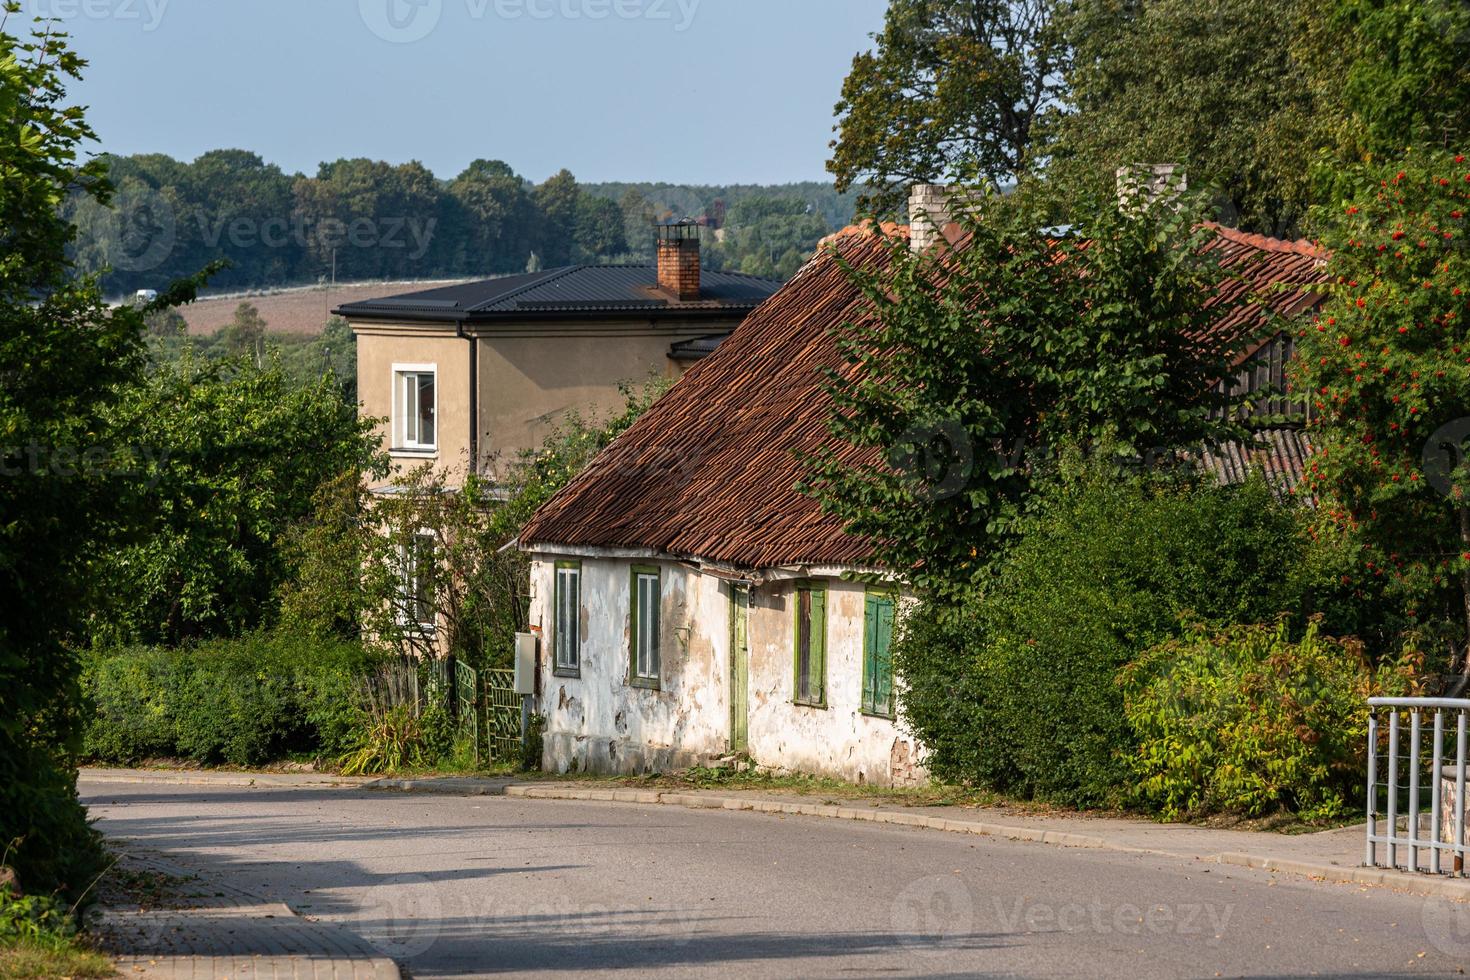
(567, 638)
(643, 595)
(810, 681)
(878, 655)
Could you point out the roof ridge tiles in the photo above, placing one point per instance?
(1298, 246)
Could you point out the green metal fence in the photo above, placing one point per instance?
(502, 716)
(467, 704)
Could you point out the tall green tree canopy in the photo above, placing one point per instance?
(973, 361)
(1402, 78)
(953, 88)
(240, 450)
(1214, 87)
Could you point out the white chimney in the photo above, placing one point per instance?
(928, 214)
(1153, 181)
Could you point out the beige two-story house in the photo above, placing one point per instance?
(473, 374)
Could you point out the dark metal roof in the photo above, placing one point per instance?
(697, 349)
(577, 290)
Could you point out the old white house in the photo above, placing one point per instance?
(692, 603)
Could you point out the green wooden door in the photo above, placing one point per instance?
(739, 668)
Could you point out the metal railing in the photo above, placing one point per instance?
(1403, 800)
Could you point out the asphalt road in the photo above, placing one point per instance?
(454, 887)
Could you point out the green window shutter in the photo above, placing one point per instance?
(883, 659)
(870, 634)
(809, 653)
(818, 681)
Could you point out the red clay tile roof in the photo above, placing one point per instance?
(710, 471)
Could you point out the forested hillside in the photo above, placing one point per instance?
(364, 219)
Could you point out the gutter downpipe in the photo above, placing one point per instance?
(460, 332)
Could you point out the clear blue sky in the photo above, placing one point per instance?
(686, 91)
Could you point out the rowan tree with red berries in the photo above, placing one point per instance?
(1385, 368)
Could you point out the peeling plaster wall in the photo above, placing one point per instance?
(599, 723)
(838, 740)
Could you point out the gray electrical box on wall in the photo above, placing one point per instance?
(526, 663)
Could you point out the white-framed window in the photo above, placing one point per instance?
(567, 639)
(416, 568)
(645, 592)
(415, 407)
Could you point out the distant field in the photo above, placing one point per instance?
(300, 311)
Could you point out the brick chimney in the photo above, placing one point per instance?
(678, 259)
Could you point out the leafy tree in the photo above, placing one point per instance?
(378, 220)
(64, 356)
(770, 236)
(638, 218)
(498, 219)
(954, 88)
(1388, 75)
(1386, 363)
(238, 210)
(969, 360)
(600, 233)
(1210, 86)
(557, 201)
(244, 335)
(238, 452)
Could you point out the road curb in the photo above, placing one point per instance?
(1418, 884)
(1439, 887)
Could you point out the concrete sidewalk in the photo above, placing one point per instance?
(218, 931)
(1334, 855)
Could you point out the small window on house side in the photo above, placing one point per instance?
(416, 408)
(811, 646)
(416, 559)
(644, 596)
(568, 619)
(878, 656)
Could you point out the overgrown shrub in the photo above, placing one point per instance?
(33, 918)
(1249, 720)
(1016, 691)
(392, 739)
(54, 847)
(244, 702)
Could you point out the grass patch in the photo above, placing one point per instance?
(51, 957)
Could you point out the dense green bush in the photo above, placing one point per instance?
(1017, 689)
(243, 702)
(48, 839)
(1249, 720)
